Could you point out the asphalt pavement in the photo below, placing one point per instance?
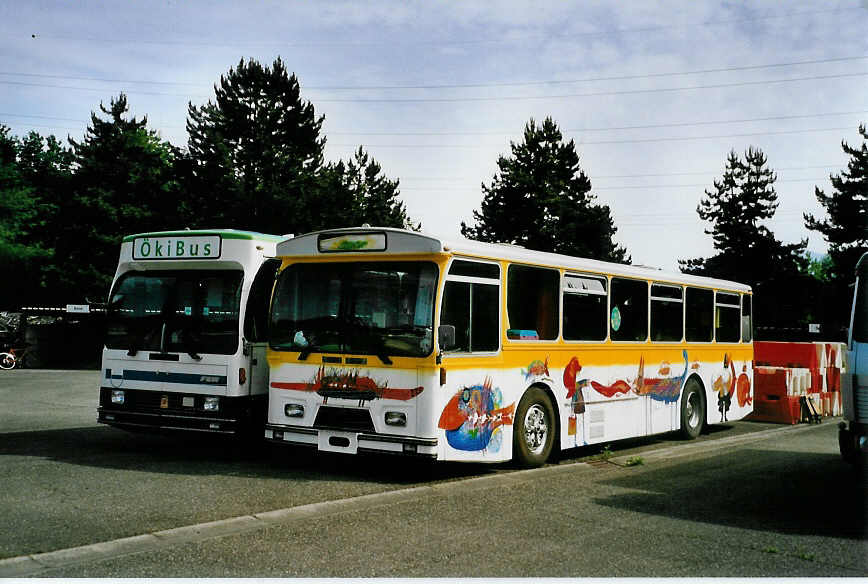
(84, 500)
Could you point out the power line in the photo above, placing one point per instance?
(584, 80)
(620, 187)
(597, 142)
(478, 98)
(465, 85)
(393, 42)
(508, 133)
(609, 128)
(587, 94)
(610, 176)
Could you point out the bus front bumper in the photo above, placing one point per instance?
(156, 411)
(329, 440)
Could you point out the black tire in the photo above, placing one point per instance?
(692, 410)
(848, 445)
(533, 436)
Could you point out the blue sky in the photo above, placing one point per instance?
(655, 94)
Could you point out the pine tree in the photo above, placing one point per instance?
(846, 229)
(541, 199)
(19, 220)
(846, 232)
(124, 183)
(748, 251)
(255, 151)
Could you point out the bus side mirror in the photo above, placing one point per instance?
(446, 336)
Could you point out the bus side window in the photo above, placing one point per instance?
(726, 317)
(256, 315)
(532, 301)
(746, 323)
(471, 303)
(585, 303)
(667, 313)
(699, 321)
(628, 316)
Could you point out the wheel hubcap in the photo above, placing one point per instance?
(536, 429)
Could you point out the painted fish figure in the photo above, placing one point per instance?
(665, 389)
(472, 416)
(743, 388)
(344, 384)
(536, 369)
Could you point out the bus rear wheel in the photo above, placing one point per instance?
(534, 430)
(692, 410)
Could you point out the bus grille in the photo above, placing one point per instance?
(860, 399)
(344, 419)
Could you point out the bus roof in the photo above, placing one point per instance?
(402, 241)
(224, 233)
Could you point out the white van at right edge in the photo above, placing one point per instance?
(853, 431)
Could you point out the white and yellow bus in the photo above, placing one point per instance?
(393, 341)
(186, 328)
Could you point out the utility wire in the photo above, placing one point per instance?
(391, 42)
(597, 142)
(587, 94)
(509, 133)
(478, 98)
(466, 85)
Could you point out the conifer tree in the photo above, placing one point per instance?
(846, 229)
(541, 199)
(256, 151)
(846, 232)
(19, 218)
(124, 183)
(747, 251)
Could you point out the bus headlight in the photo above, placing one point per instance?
(118, 396)
(211, 404)
(396, 419)
(293, 410)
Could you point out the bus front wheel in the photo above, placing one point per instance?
(534, 430)
(692, 410)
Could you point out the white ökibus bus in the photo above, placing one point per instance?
(853, 431)
(186, 327)
(393, 341)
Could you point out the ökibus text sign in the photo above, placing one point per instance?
(181, 247)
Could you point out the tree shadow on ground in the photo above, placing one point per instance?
(208, 455)
(802, 493)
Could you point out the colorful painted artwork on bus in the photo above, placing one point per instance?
(743, 388)
(473, 417)
(724, 385)
(664, 387)
(575, 394)
(348, 384)
(536, 369)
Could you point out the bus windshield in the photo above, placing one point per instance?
(366, 308)
(193, 312)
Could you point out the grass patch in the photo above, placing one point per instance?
(634, 461)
